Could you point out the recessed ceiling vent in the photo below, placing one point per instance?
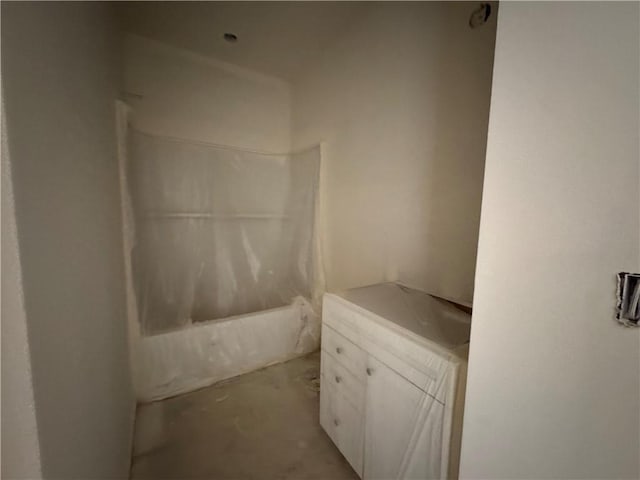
(230, 37)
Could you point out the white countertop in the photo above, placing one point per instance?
(430, 317)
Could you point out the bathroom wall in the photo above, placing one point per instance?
(60, 82)
(402, 100)
(182, 94)
(20, 449)
(554, 381)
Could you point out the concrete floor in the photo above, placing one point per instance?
(263, 425)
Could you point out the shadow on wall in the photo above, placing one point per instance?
(402, 101)
(463, 86)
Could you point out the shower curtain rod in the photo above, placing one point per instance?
(216, 216)
(221, 146)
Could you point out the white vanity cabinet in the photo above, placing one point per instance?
(388, 395)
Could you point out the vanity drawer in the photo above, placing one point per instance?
(338, 317)
(343, 423)
(335, 375)
(344, 351)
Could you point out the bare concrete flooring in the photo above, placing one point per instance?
(263, 425)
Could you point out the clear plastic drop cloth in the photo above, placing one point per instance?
(219, 232)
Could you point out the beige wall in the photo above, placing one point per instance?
(402, 101)
(20, 449)
(190, 96)
(59, 72)
(554, 381)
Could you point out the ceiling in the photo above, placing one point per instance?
(275, 38)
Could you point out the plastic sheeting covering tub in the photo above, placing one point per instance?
(221, 259)
(192, 358)
(392, 381)
(219, 231)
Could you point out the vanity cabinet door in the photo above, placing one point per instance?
(397, 413)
